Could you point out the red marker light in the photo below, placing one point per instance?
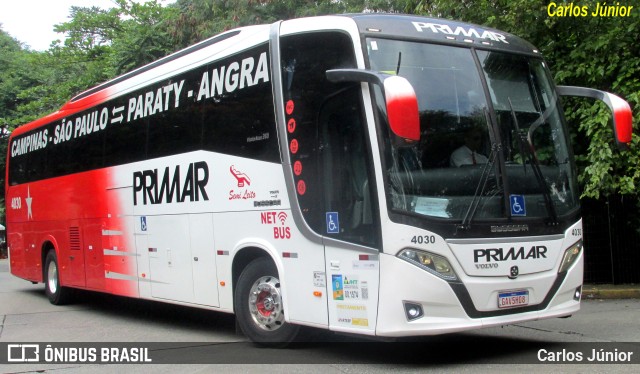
(291, 126)
(302, 187)
(297, 168)
(294, 146)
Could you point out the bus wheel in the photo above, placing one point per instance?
(57, 294)
(258, 305)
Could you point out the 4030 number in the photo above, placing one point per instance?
(423, 239)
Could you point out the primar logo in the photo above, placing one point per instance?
(437, 28)
(513, 253)
(151, 190)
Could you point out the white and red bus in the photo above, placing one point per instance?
(313, 172)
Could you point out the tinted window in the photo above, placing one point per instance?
(327, 138)
(225, 107)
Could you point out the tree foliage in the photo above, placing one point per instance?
(13, 79)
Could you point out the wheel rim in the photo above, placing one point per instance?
(52, 277)
(265, 303)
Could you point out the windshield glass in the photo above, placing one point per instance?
(485, 152)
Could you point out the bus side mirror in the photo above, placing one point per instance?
(400, 99)
(622, 116)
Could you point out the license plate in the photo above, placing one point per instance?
(513, 299)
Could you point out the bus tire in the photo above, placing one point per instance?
(258, 305)
(57, 294)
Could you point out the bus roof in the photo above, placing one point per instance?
(441, 31)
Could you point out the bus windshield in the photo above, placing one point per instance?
(493, 141)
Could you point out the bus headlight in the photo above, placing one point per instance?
(570, 256)
(434, 264)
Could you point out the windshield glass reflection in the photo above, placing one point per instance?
(474, 137)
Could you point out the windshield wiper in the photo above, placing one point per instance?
(535, 163)
(521, 146)
(399, 62)
(482, 184)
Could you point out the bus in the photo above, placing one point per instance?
(382, 175)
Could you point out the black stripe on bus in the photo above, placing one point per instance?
(467, 303)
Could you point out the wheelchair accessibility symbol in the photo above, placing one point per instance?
(518, 207)
(333, 225)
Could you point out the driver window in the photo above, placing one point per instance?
(345, 170)
(327, 139)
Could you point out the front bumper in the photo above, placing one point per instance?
(469, 304)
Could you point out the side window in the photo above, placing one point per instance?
(236, 117)
(176, 130)
(327, 138)
(346, 169)
(125, 141)
(242, 123)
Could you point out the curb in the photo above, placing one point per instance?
(607, 291)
